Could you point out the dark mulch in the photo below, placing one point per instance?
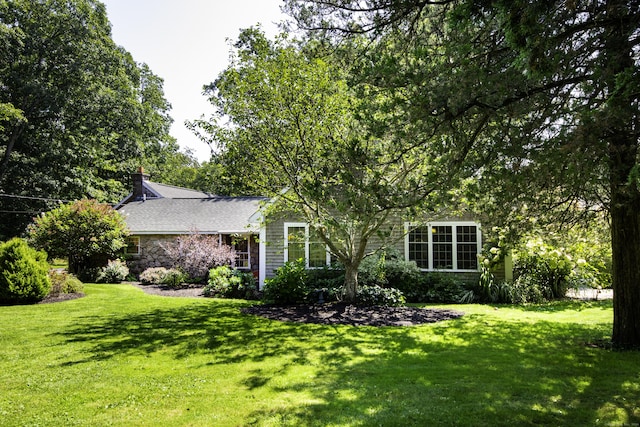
(344, 314)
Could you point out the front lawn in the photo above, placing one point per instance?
(121, 357)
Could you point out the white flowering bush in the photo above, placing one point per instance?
(115, 272)
(545, 267)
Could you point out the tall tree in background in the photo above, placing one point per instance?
(558, 84)
(83, 113)
(291, 115)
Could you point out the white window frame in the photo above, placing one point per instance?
(126, 248)
(287, 226)
(409, 226)
(248, 252)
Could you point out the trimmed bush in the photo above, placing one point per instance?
(153, 275)
(115, 272)
(24, 274)
(174, 278)
(376, 295)
(289, 285)
(225, 282)
(63, 282)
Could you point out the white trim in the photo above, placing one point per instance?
(262, 257)
(410, 226)
(185, 232)
(306, 227)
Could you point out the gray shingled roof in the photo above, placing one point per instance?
(183, 215)
(173, 192)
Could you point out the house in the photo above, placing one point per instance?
(156, 213)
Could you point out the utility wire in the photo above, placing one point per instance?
(46, 199)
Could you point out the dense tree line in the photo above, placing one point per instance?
(77, 113)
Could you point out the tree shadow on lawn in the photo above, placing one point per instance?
(474, 370)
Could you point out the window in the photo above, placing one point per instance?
(444, 246)
(133, 245)
(241, 244)
(242, 247)
(303, 243)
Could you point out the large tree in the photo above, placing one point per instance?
(78, 114)
(557, 83)
(296, 119)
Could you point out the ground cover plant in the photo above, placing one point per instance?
(121, 357)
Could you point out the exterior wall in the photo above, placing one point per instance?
(153, 255)
(392, 236)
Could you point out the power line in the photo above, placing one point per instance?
(46, 199)
(22, 212)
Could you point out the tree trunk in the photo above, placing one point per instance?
(625, 242)
(350, 283)
(620, 127)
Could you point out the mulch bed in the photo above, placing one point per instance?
(325, 314)
(344, 314)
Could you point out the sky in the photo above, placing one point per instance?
(185, 42)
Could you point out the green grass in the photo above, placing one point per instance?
(121, 357)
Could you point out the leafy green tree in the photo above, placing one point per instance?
(78, 113)
(85, 232)
(546, 92)
(23, 273)
(297, 122)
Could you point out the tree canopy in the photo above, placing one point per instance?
(78, 113)
(546, 92)
(294, 116)
(85, 232)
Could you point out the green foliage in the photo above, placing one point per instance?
(174, 278)
(295, 118)
(153, 275)
(86, 232)
(289, 285)
(63, 282)
(23, 273)
(543, 268)
(225, 282)
(82, 113)
(441, 288)
(114, 272)
(377, 295)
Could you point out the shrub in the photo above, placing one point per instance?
(115, 272)
(174, 278)
(63, 282)
(24, 274)
(289, 285)
(195, 254)
(545, 268)
(390, 269)
(440, 288)
(225, 282)
(153, 275)
(86, 232)
(377, 295)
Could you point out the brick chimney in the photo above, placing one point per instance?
(138, 178)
